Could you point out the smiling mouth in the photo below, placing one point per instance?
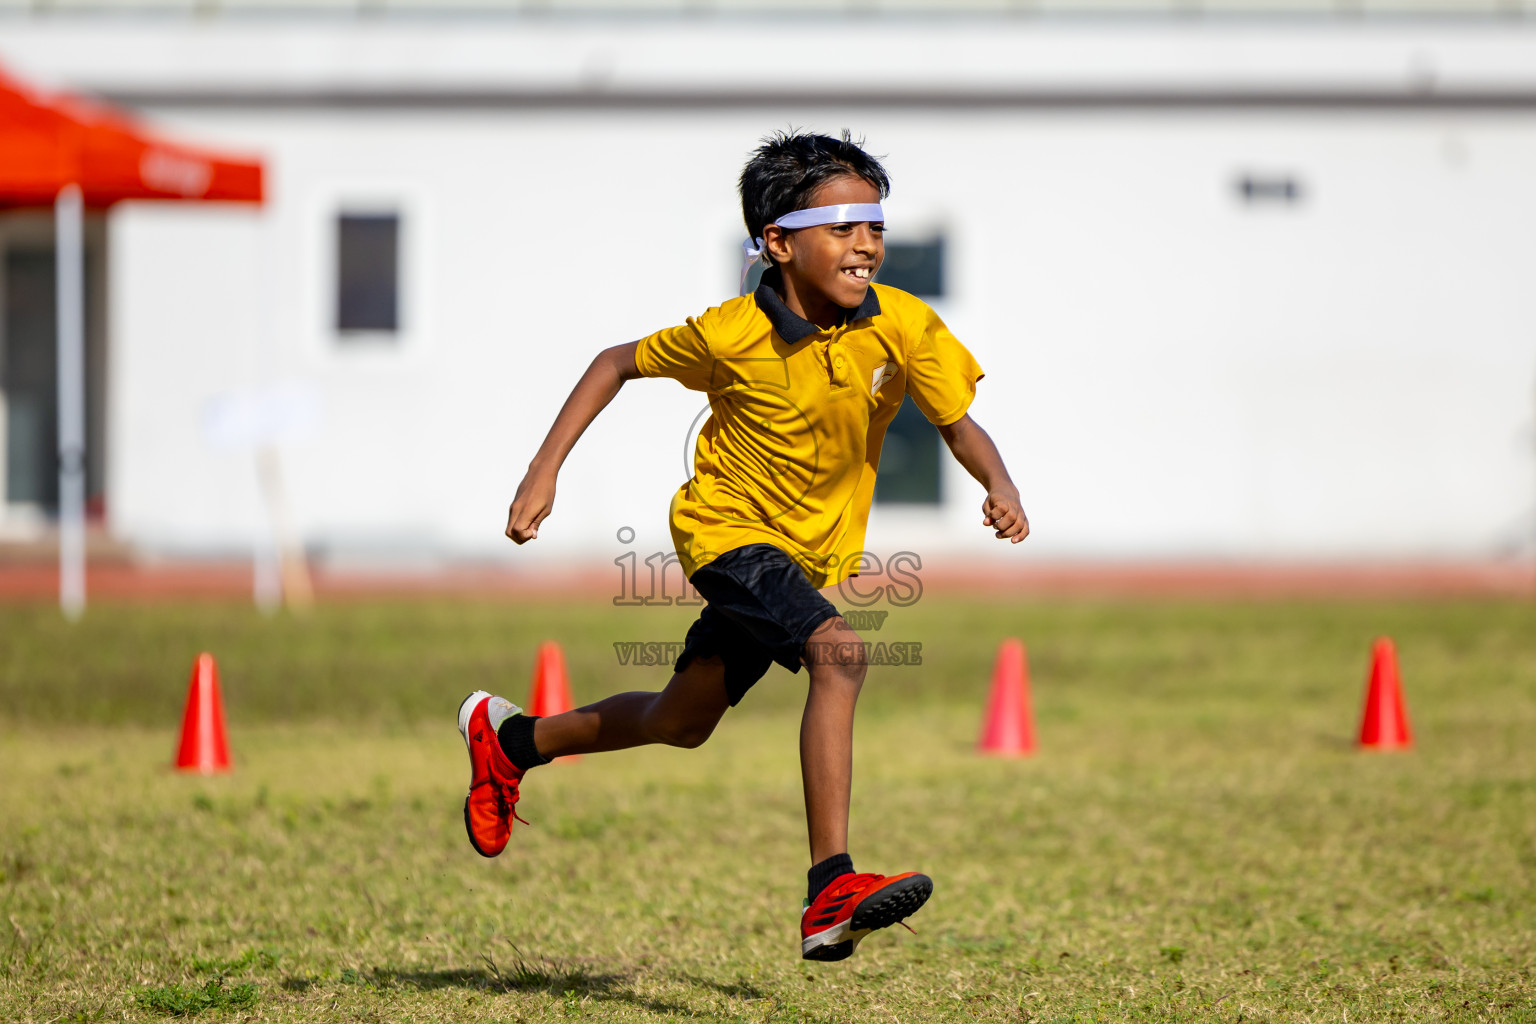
(858, 273)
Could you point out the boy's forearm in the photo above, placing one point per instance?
(976, 452)
(973, 449)
(536, 494)
(591, 395)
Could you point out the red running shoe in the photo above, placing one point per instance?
(855, 905)
(490, 807)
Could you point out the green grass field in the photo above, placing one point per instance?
(1196, 839)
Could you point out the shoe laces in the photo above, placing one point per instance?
(854, 883)
(506, 796)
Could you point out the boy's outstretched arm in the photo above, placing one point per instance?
(1002, 509)
(536, 494)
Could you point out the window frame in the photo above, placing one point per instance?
(319, 219)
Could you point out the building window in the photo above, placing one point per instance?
(29, 380)
(916, 267)
(1274, 189)
(909, 460)
(368, 273)
(754, 273)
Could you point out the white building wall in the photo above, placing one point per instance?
(1171, 372)
(184, 321)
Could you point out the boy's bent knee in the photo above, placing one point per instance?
(683, 734)
(691, 736)
(835, 651)
(688, 732)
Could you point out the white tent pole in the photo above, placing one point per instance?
(69, 250)
(266, 551)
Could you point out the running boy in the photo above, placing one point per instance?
(803, 377)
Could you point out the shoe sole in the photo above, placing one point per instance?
(466, 709)
(829, 954)
(881, 910)
(892, 904)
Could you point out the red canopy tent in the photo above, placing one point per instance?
(70, 153)
(64, 140)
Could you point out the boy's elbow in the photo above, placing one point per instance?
(621, 360)
(952, 432)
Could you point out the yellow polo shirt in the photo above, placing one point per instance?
(797, 415)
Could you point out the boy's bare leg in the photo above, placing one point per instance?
(682, 715)
(835, 658)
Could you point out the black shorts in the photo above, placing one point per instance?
(761, 609)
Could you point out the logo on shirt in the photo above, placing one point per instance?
(883, 373)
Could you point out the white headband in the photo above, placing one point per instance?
(843, 213)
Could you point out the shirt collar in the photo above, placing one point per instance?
(791, 326)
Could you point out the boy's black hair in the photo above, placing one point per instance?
(788, 168)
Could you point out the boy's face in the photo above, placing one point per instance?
(834, 260)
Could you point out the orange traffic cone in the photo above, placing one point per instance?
(1384, 724)
(1008, 730)
(204, 744)
(551, 694)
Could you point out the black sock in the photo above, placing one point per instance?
(828, 871)
(516, 738)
